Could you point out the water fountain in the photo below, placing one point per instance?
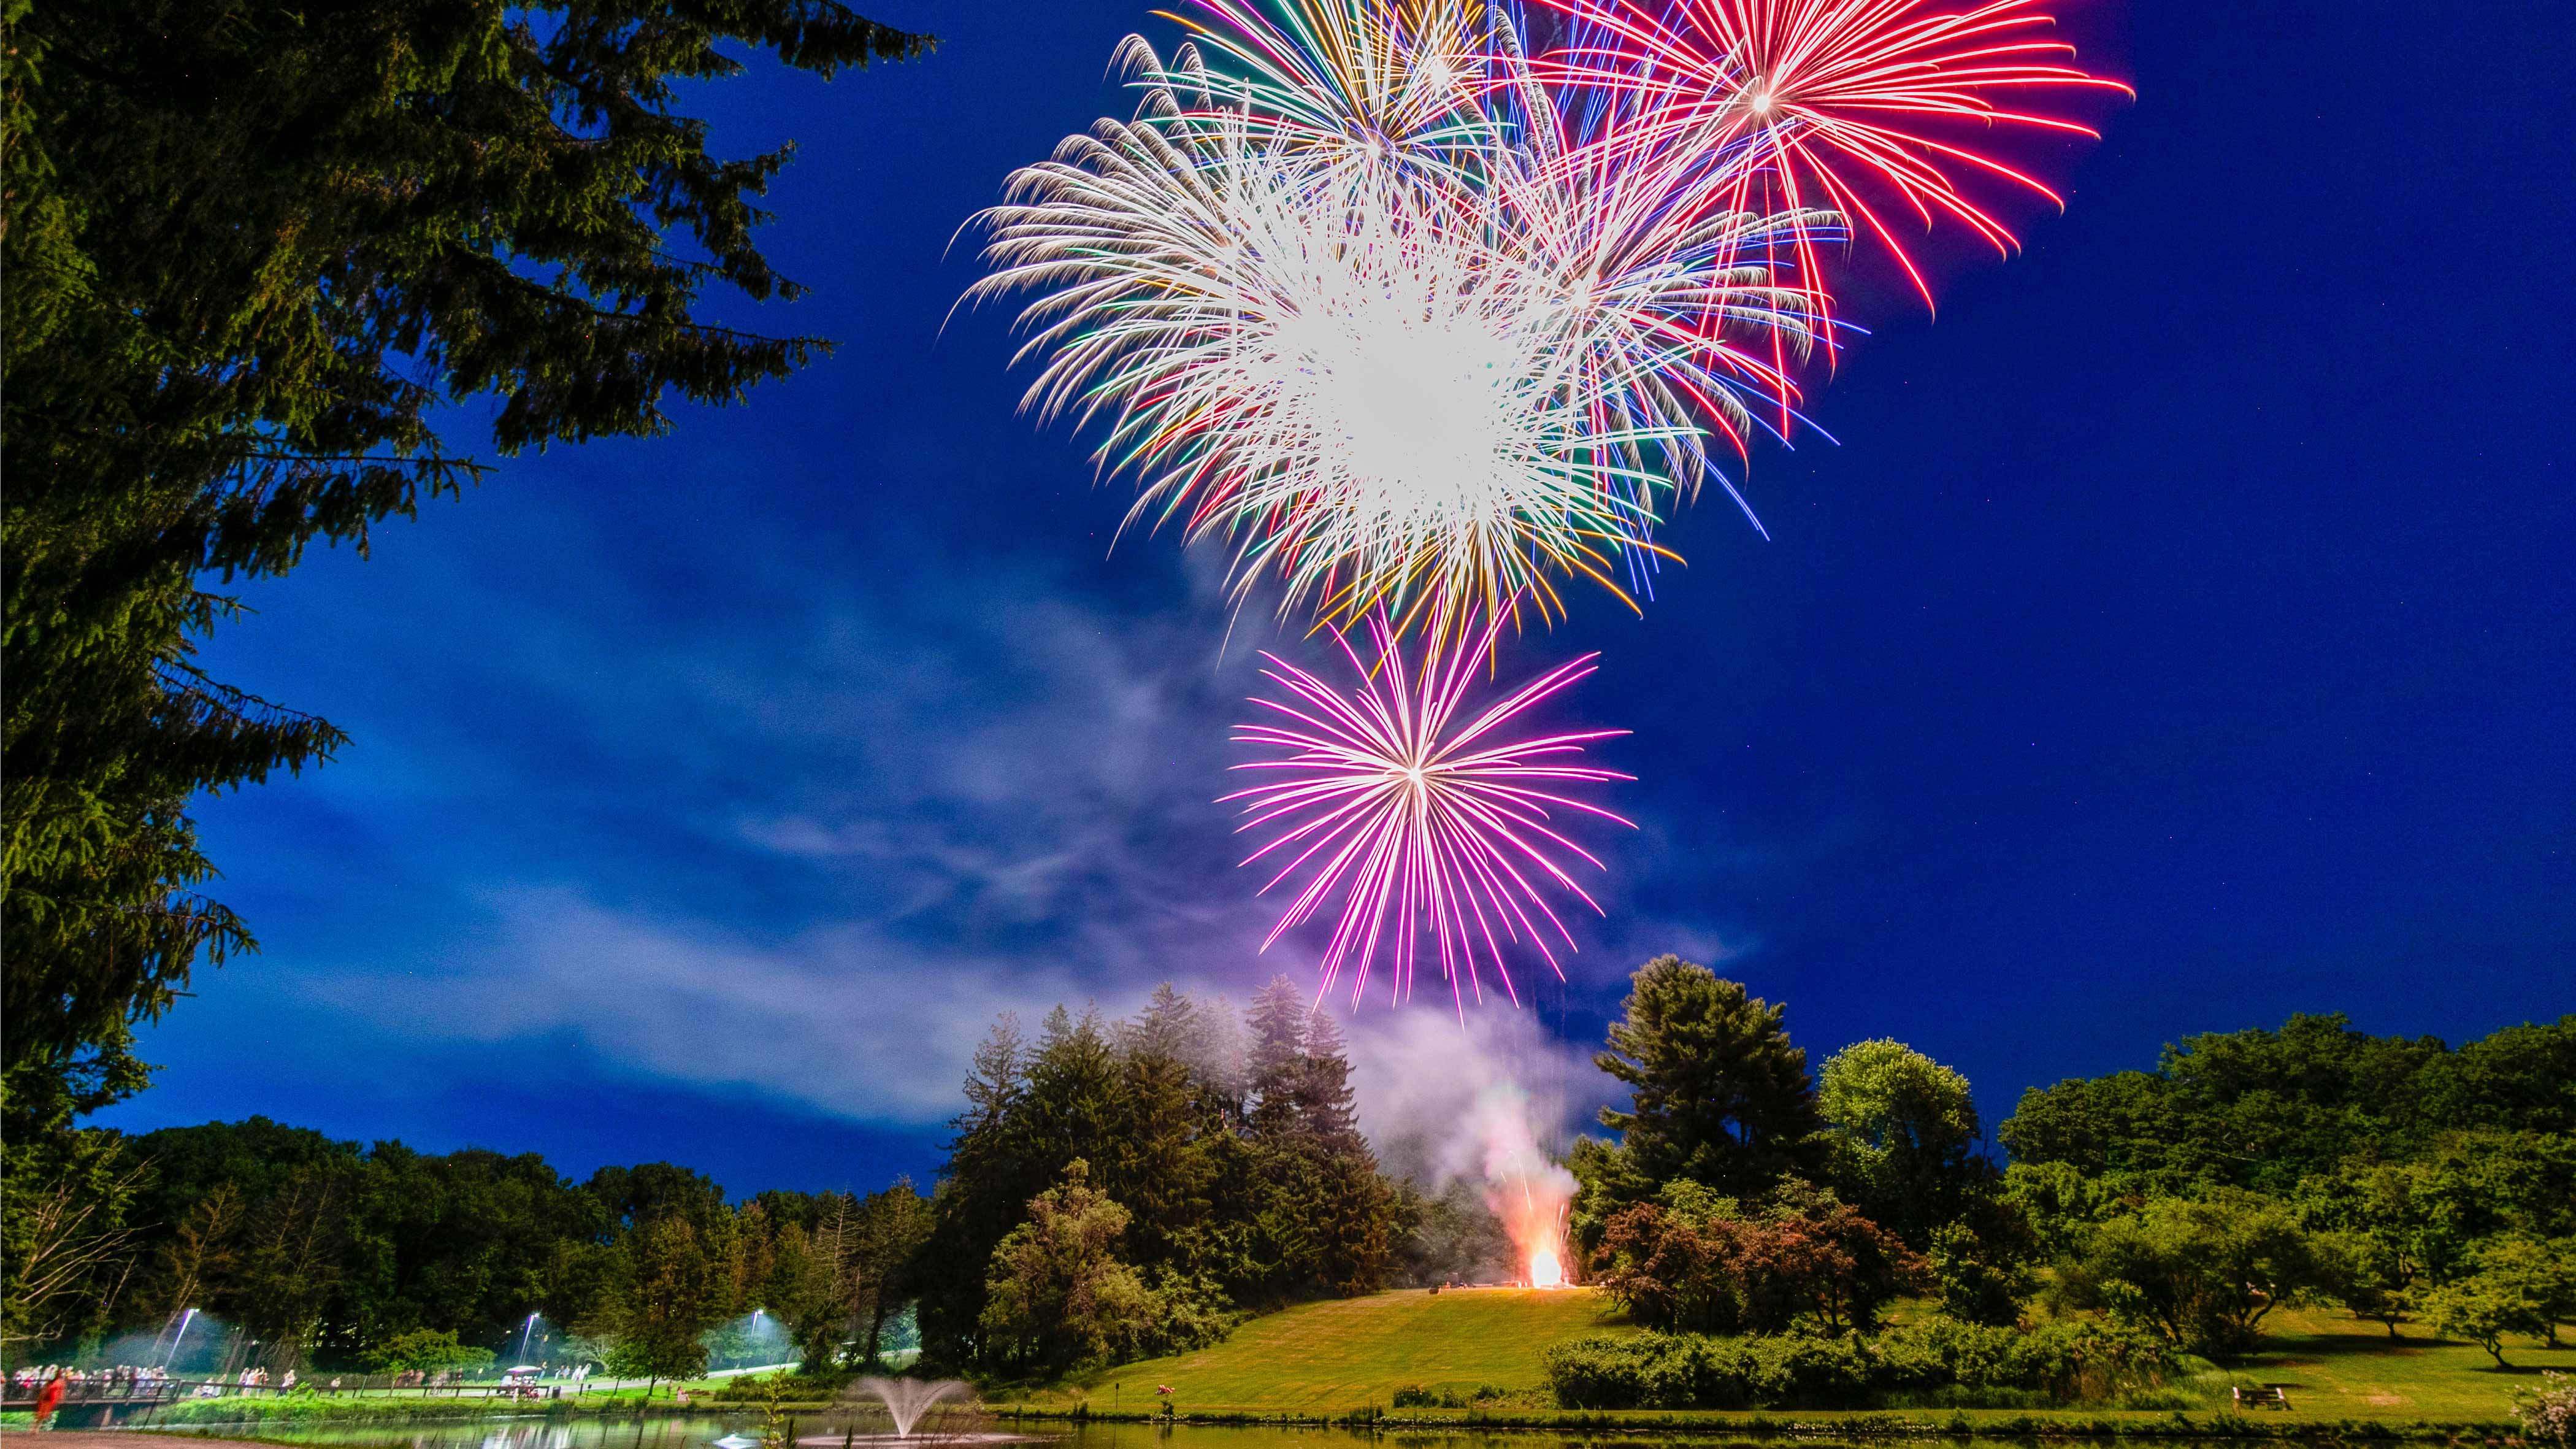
(906, 1400)
(909, 1402)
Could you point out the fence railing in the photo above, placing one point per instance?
(118, 1388)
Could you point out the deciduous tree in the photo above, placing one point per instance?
(2200, 1272)
(1057, 1294)
(1904, 1134)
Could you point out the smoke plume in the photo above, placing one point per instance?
(1490, 1103)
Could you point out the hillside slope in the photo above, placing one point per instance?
(1331, 1358)
(1340, 1354)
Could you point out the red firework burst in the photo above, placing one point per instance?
(1833, 100)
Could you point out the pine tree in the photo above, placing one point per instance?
(893, 1226)
(1150, 1166)
(1327, 1110)
(1719, 1096)
(1276, 1023)
(1218, 1066)
(251, 246)
(676, 1298)
(1073, 1092)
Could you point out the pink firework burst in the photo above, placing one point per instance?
(1423, 819)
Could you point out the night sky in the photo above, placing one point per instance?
(2182, 635)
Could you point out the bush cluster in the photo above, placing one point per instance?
(1694, 1260)
(796, 1385)
(2548, 1414)
(1417, 1396)
(2062, 1362)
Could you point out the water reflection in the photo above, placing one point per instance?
(703, 1430)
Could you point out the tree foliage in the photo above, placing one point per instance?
(2482, 1309)
(1904, 1136)
(1718, 1095)
(2202, 1273)
(2267, 1109)
(2401, 1171)
(1699, 1262)
(425, 1350)
(1057, 1295)
(329, 1252)
(251, 246)
(1245, 1179)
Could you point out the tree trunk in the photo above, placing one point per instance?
(876, 1328)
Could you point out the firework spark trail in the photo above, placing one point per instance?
(1384, 336)
(1417, 319)
(1420, 823)
(1814, 101)
(1423, 324)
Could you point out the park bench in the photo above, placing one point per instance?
(2270, 1396)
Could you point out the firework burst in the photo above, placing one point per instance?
(1812, 106)
(1422, 325)
(1382, 336)
(1424, 819)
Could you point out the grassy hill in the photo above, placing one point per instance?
(1331, 1358)
(1352, 1351)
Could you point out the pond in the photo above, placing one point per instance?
(702, 1432)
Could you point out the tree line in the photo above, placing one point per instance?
(1120, 1188)
(1112, 1189)
(326, 1252)
(2405, 1180)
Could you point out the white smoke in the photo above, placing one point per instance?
(1491, 1101)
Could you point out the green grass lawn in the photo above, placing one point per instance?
(1352, 1351)
(2334, 1366)
(1331, 1358)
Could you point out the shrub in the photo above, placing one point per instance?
(1941, 1363)
(1692, 1260)
(428, 1352)
(1419, 1396)
(796, 1386)
(2548, 1414)
(1983, 1268)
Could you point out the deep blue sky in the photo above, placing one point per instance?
(2184, 634)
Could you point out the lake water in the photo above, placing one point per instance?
(701, 1432)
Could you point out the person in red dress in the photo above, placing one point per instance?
(48, 1397)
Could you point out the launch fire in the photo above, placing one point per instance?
(1527, 1189)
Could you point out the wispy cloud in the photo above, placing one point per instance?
(995, 816)
(843, 1018)
(816, 860)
